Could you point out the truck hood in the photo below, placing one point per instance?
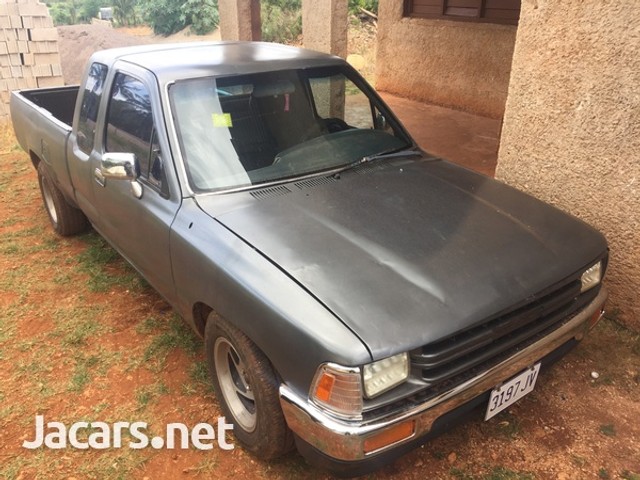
(409, 252)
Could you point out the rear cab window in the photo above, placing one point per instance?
(90, 104)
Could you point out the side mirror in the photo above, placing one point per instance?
(119, 166)
(381, 122)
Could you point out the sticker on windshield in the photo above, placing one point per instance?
(222, 120)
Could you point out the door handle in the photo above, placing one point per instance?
(99, 177)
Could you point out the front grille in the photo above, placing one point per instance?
(445, 364)
(449, 362)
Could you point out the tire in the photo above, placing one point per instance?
(65, 219)
(247, 388)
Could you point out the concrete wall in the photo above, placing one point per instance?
(28, 49)
(571, 132)
(240, 20)
(463, 65)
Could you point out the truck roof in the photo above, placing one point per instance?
(171, 62)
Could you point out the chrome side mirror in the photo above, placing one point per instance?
(119, 166)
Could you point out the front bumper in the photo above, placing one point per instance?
(344, 441)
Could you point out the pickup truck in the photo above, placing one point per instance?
(356, 295)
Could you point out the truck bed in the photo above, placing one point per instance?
(42, 121)
(59, 101)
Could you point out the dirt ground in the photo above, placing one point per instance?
(82, 337)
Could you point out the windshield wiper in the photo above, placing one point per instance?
(378, 156)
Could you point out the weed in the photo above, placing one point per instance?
(146, 394)
(503, 473)
(177, 336)
(578, 460)
(105, 267)
(608, 430)
(627, 475)
(604, 474)
(81, 374)
(460, 474)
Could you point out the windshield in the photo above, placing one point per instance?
(252, 129)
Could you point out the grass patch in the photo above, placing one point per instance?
(503, 473)
(82, 373)
(176, 334)
(627, 475)
(608, 430)
(604, 474)
(148, 394)
(105, 267)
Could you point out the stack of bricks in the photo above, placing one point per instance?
(29, 55)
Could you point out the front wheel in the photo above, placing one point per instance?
(65, 219)
(247, 388)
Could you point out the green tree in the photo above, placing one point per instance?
(281, 20)
(124, 12)
(164, 16)
(202, 15)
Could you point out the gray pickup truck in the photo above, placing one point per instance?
(356, 294)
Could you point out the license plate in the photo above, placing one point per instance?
(511, 391)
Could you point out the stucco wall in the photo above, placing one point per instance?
(463, 65)
(571, 132)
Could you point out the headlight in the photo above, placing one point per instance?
(385, 374)
(591, 277)
(338, 389)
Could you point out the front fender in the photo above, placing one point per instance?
(214, 266)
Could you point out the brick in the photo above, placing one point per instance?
(43, 34)
(56, 70)
(45, 58)
(10, 59)
(41, 71)
(50, 82)
(12, 47)
(8, 8)
(43, 47)
(28, 59)
(41, 22)
(16, 21)
(22, 33)
(27, 22)
(16, 71)
(33, 10)
(3, 48)
(5, 72)
(9, 34)
(5, 22)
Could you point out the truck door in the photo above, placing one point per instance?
(137, 219)
(81, 154)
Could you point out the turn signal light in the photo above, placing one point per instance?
(390, 436)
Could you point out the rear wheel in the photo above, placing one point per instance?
(247, 388)
(65, 219)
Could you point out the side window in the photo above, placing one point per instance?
(130, 128)
(90, 104)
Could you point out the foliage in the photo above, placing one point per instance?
(69, 12)
(125, 12)
(281, 20)
(170, 16)
(202, 15)
(370, 5)
(164, 16)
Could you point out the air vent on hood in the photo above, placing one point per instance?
(314, 182)
(368, 167)
(270, 192)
